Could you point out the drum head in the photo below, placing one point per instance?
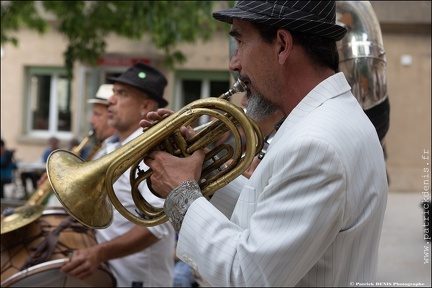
(48, 275)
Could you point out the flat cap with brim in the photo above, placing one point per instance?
(145, 78)
(104, 92)
(310, 17)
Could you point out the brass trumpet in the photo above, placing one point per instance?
(82, 187)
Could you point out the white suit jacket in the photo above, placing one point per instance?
(312, 212)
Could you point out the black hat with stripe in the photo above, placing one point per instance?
(310, 17)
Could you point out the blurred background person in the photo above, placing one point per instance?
(53, 144)
(35, 174)
(99, 119)
(8, 166)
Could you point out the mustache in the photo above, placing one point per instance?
(244, 79)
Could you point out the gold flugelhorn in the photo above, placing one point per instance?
(82, 187)
(14, 218)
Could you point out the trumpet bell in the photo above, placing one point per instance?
(77, 197)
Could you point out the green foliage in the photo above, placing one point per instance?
(14, 15)
(86, 24)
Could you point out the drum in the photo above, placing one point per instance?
(32, 256)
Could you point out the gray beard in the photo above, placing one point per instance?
(259, 108)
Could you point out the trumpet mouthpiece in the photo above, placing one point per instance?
(237, 87)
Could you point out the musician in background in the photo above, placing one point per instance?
(99, 119)
(138, 256)
(311, 213)
(53, 144)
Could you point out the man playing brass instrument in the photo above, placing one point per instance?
(137, 256)
(311, 213)
(99, 118)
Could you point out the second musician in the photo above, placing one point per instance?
(138, 256)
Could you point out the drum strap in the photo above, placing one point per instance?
(46, 248)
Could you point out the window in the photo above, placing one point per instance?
(194, 85)
(49, 102)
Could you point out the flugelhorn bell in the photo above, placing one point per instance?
(84, 188)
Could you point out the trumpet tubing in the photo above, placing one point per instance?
(77, 149)
(95, 149)
(41, 193)
(85, 188)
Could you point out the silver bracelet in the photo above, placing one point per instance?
(179, 200)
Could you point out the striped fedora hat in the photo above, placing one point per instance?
(310, 17)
